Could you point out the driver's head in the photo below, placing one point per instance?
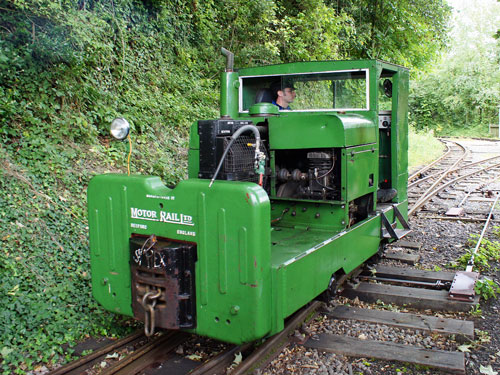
(288, 94)
(284, 93)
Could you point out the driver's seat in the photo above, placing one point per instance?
(264, 96)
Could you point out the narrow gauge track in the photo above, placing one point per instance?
(452, 148)
(154, 356)
(81, 365)
(145, 351)
(422, 183)
(157, 352)
(428, 182)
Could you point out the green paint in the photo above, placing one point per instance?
(229, 94)
(260, 257)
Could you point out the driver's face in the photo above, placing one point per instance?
(289, 94)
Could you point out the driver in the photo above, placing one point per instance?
(283, 96)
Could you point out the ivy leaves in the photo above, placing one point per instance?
(44, 271)
(67, 68)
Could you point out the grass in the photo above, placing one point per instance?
(464, 131)
(423, 148)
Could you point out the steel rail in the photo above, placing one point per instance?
(465, 198)
(437, 284)
(427, 167)
(470, 263)
(444, 174)
(221, 362)
(483, 184)
(147, 354)
(274, 344)
(464, 219)
(425, 198)
(456, 169)
(83, 361)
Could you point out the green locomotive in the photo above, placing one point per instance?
(279, 204)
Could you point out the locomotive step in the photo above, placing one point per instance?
(389, 229)
(398, 233)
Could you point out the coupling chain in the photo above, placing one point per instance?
(148, 303)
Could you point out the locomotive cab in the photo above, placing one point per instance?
(278, 205)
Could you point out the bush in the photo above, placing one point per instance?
(67, 68)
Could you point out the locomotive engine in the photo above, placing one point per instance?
(278, 206)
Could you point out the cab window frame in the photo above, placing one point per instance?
(367, 89)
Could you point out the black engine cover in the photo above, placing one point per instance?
(214, 137)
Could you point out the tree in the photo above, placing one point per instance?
(408, 32)
(464, 88)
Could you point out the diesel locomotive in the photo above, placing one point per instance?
(279, 204)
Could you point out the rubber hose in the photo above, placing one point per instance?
(236, 134)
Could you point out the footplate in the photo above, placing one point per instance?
(164, 267)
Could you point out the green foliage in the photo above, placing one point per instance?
(387, 306)
(67, 68)
(423, 148)
(486, 288)
(476, 311)
(487, 252)
(311, 27)
(409, 33)
(460, 93)
(45, 281)
(482, 337)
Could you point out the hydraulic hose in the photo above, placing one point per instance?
(236, 134)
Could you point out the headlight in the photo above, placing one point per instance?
(120, 128)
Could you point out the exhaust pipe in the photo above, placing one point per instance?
(229, 88)
(230, 59)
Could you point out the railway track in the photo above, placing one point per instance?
(453, 174)
(145, 351)
(157, 355)
(431, 198)
(454, 154)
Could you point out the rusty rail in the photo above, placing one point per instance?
(450, 170)
(427, 167)
(86, 360)
(153, 351)
(274, 345)
(470, 263)
(425, 198)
